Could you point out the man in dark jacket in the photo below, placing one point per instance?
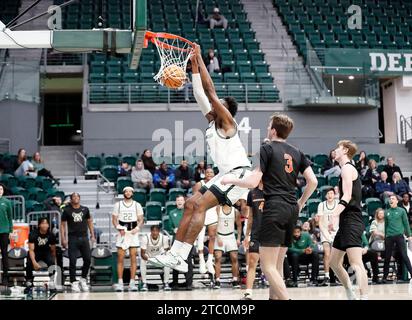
(184, 176)
(391, 168)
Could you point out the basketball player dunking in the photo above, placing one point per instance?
(348, 239)
(227, 153)
(280, 164)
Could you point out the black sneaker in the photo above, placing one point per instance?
(324, 283)
(235, 284)
(216, 285)
(313, 283)
(246, 296)
(291, 284)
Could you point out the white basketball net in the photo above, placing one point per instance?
(172, 52)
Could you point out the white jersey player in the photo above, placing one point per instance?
(127, 217)
(210, 224)
(153, 244)
(227, 242)
(328, 228)
(227, 153)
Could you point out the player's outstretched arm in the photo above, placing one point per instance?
(251, 181)
(221, 111)
(311, 184)
(198, 92)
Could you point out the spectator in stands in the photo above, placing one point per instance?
(174, 217)
(124, 169)
(362, 163)
(164, 177)
(331, 167)
(306, 227)
(383, 187)
(42, 247)
(216, 19)
(369, 180)
(390, 168)
(302, 251)
(24, 166)
(148, 162)
(40, 169)
(212, 62)
(399, 186)
(396, 227)
(184, 176)
(406, 204)
(76, 220)
(377, 228)
(6, 230)
(200, 171)
(141, 177)
(314, 224)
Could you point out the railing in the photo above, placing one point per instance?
(3, 57)
(405, 129)
(4, 145)
(50, 58)
(19, 208)
(20, 81)
(101, 93)
(268, 12)
(102, 184)
(79, 161)
(314, 61)
(40, 135)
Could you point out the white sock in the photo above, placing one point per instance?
(209, 257)
(120, 281)
(249, 291)
(202, 257)
(184, 250)
(132, 281)
(326, 274)
(176, 247)
(217, 279)
(234, 278)
(364, 297)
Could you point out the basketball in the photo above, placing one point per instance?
(173, 76)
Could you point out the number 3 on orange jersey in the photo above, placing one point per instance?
(289, 163)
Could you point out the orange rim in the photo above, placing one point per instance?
(154, 38)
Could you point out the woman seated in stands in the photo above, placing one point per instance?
(148, 162)
(362, 163)
(40, 169)
(23, 167)
(331, 167)
(399, 186)
(200, 171)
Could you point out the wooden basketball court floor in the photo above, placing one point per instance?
(376, 292)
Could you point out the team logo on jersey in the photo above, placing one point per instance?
(77, 217)
(261, 206)
(100, 252)
(42, 241)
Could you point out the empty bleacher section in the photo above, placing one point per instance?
(385, 24)
(9, 10)
(246, 75)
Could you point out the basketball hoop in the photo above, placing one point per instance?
(173, 51)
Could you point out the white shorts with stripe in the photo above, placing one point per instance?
(229, 243)
(128, 241)
(228, 194)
